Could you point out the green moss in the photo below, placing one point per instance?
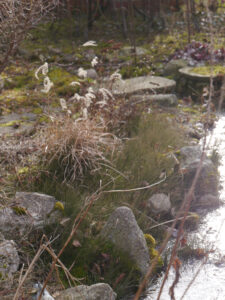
(134, 71)
(44, 119)
(23, 170)
(190, 109)
(11, 123)
(59, 206)
(13, 95)
(37, 111)
(154, 253)
(62, 80)
(19, 210)
(150, 240)
(25, 80)
(151, 243)
(207, 70)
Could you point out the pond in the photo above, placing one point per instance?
(210, 281)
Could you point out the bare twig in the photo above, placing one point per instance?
(36, 257)
(16, 19)
(137, 189)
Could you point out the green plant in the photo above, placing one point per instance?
(99, 261)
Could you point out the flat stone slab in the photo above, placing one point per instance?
(16, 123)
(17, 117)
(143, 85)
(166, 100)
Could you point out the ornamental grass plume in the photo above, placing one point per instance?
(48, 84)
(90, 44)
(94, 61)
(82, 73)
(70, 148)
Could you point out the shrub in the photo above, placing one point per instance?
(16, 19)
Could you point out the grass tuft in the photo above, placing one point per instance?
(70, 148)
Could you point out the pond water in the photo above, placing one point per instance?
(210, 282)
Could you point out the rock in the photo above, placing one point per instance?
(99, 291)
(29, 211)
(123, 231)
(194, 132)
(143, 85)
(91, 73)
(167, 100)
(89, 54)
(17, 123)
(9, 259)
(187, 72)
(195, 84)
(189, 154)
(69, 58)
(173, 66)
(159, 204)
(207, 183)
(55, 51)
(126, 51)
(207, 201)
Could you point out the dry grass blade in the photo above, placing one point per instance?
(72, 148)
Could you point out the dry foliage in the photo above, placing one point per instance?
(72, 148)
(17, 17)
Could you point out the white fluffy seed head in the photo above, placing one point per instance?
(90, 44)
(43, 69)
(82, 73)
(48, 84)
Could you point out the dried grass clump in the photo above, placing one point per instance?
(70, 148)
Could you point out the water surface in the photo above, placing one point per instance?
(210, 282)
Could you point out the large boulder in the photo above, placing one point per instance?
(166, 100)
(123, 231)
(99, 291)
(172, 67)
(9, 259)
(159, 204)
(207, 182)
(29, 211)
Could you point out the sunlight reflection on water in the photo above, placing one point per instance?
(210, 283)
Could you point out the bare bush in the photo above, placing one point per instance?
(17, 17)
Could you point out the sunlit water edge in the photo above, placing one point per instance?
(210, 282)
